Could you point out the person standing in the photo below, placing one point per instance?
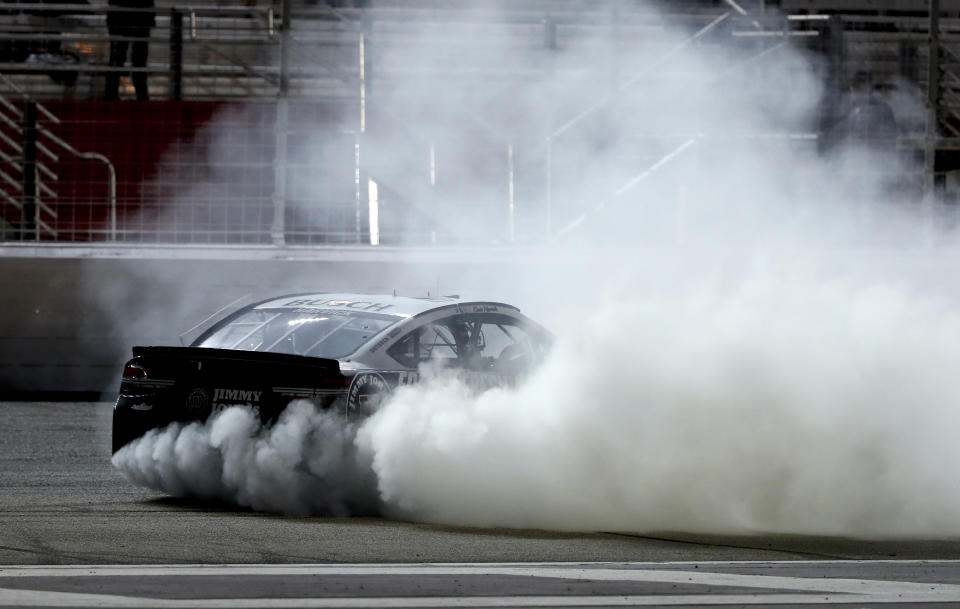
(869, 119)
(129, 31)
(865, 120)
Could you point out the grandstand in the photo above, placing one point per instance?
(274, 123)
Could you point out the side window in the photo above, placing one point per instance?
(406, 350)
(506, 345)
(501, 345)
(493, 343)
(437, 343)
(430, 342)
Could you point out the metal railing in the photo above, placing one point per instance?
(29, 139)
(27, 175)
(198, 52)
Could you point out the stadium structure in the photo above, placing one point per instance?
(339, 130)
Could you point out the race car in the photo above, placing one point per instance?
(341, 351)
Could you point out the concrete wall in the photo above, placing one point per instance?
(71, 314)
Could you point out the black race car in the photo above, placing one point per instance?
(342, 351)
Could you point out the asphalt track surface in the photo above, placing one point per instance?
(74, 533)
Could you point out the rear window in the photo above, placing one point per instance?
(315, 332)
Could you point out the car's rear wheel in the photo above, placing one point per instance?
(366, 394)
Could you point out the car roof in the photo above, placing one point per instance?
(402, 306)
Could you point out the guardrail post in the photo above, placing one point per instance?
(176, 54)
(28, 224)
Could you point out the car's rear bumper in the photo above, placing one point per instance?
(132, 418)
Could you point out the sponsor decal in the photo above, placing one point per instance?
(366, 391)
(324, 312)
(236, 395)
(223, 398)
(221, 407)
(485, 309)
(197, 401)
(362, 305)
(142, 406)
(481, 381)
(408, 378)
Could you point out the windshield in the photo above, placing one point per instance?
(317, 333)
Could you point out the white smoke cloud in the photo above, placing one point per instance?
(304, 463)
(781, 404)
(751, 339)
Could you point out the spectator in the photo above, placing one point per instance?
(123, 26)
(861, 144)
(869, 118)
(866, 120)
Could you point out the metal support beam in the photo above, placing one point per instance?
(280, 129)
(361, 177)
(630, 184)
(548, 187)
(366, 63)
(28, 224)
(933, 100)
(511, 196)
(176, 54)
(550, 43)
(286, 21)
(358, 193)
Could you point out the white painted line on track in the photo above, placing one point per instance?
(327, 568)
(576, 572)
(779, 589)
(29, 598)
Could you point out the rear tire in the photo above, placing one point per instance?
(367, 392)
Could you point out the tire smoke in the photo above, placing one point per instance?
(750, 337)
(783, 403)
(780, 405)
(305, 463)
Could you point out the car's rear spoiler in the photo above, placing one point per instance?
(238, 355)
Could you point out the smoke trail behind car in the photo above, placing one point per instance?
(305, 463)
